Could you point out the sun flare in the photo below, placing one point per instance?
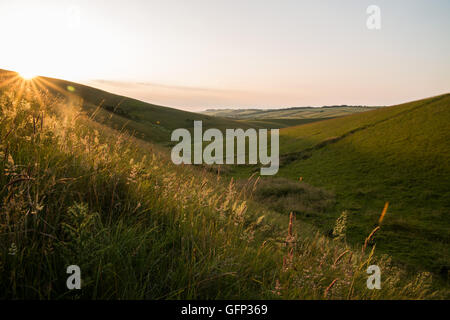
(27, 75)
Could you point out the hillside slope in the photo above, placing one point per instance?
(151, 122)
(399, 154)
(73, 191)
(289, 113)
(155, 123)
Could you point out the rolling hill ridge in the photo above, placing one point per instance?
(399, 154)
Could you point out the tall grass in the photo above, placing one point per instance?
(75, 192)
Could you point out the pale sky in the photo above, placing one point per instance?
(200, 54)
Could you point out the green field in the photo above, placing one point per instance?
(289, 114)
(77, 188)
(282, 118)
(399, 154)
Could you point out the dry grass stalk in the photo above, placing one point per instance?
(291, 222)
(340, 256)
(290, 240)
(383, 213)
(329, 287)
(369, 238)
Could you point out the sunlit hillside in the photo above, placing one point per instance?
(74, 191)
(288, 113)
(150, 122)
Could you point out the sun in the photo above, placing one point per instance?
(27, 75)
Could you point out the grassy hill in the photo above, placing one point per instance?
(287, 117)
(74, 191)
(399, 154)
(150, 122)
(296, 113)
(154, 123)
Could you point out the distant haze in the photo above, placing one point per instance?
(202, 54)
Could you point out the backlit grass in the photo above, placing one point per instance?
(73, 191)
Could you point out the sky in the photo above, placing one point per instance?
(201, 54)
